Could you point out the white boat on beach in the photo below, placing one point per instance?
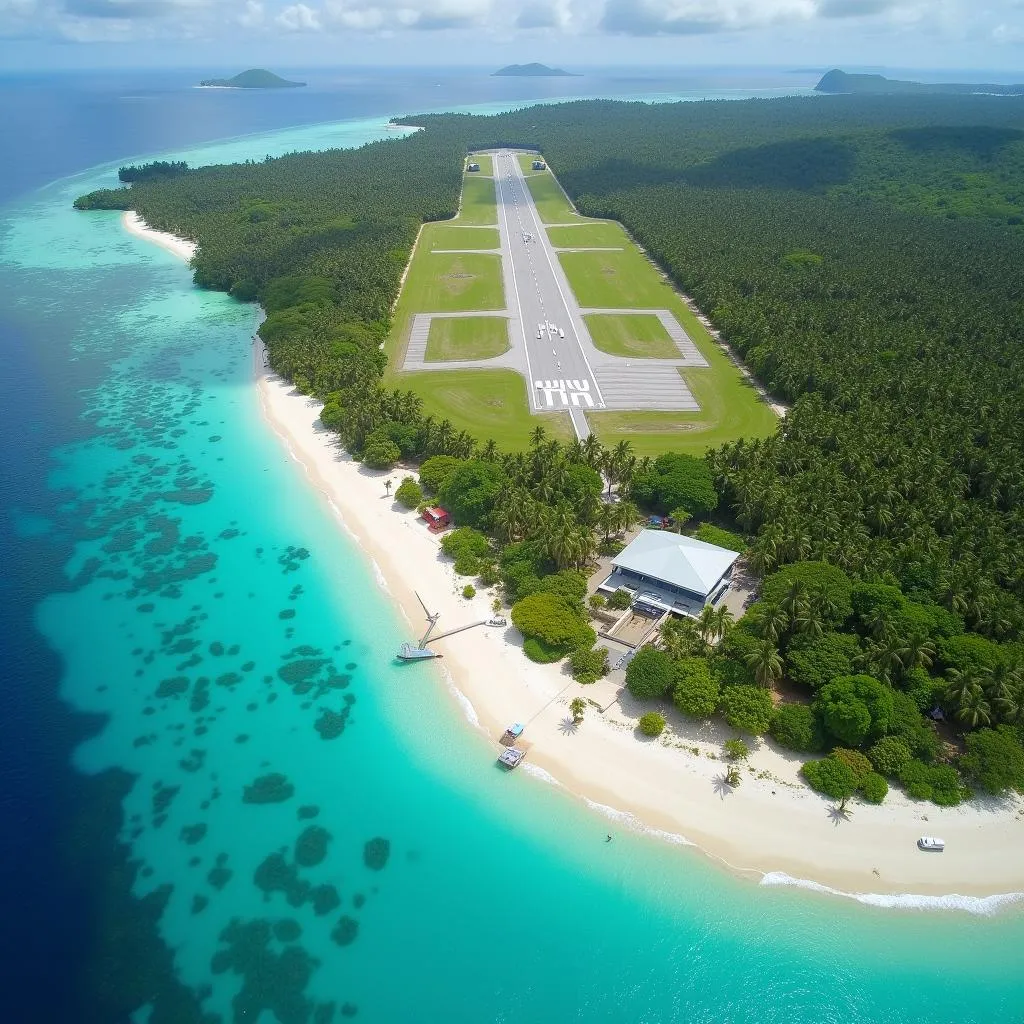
(931, 844)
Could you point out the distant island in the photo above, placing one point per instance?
(839, 82)
(532, 71)
(254, 78)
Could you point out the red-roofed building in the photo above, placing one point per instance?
(436, 518)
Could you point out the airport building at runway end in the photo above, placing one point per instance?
(667, 572)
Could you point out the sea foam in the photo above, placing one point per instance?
(982, 905)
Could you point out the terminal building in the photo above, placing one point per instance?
(667, 572)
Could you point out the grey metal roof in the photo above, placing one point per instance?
(673, 558)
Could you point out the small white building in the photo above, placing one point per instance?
(473, 166)
(539, 165)
(668, 572)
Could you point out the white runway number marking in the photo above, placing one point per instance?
(570, 392)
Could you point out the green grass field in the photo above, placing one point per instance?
(526, 163)
(455, 283)
(479, 203)
(593, 233)
(467, 337)
(486, 162)
(640, 336)
(445, 235)
(486, 403)
(552, 205)
(623, 280)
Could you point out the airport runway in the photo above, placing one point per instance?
(544, 311)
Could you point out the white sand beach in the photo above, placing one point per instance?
(135, 225)
(769, 827)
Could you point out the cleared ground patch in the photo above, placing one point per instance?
(478, 201)
(591, 234)
(455, 283)
(485, 403)
(468, 337)
(623, 280)
(450, 236)
(641, 336)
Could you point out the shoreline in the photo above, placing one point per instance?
(135, 225)
(771, 829)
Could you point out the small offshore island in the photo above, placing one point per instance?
(841, 82)
(254, 78)
(832, 665)
(532, 71)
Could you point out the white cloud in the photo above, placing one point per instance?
(299, 18)
(700, 17)
(252, 15)
(545, 14)
(395, 15)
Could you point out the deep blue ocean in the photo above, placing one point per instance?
(217, 793)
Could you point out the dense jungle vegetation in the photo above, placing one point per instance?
(863, 254)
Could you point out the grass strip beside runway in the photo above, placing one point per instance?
(454, 283)
(471, 337)
(616, 280)
(552, 205)
(479, 202)
(589, 234)
(642, 336)
(485, 403)
(445, 235)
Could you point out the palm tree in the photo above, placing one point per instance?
(797, 599)
(772, 621)
(537, 436)
(766, 663)
(387, 487)
(680, 517)
(706, 623)
(723, 621)
(627, 515)
(608, 520)
(975, 710)
(576, 708)
(917, 652)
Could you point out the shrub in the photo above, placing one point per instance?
(723, 538)
(937, 782)
(469, 591)
(814, 663)
(890, 755)
(696, 690)
(536, 650)
(409, 493)
(857, 762)
(652, 724)
(995, 760)
(489, 576)
(874, 788)
(855, 708)
(748, 708)
(589, 664)
(467, 546)
(436, 470)
(906, 723)
(597, 601)
(555, 626)
(796, 727)
(830, 776)
(569, 584)
(650, 673)
(620, 600)
(736, 750)
(380, 452)
(470, 491)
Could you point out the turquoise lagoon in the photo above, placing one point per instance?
(333, 835)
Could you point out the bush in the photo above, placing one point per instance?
(489, 576)
(435, 471)
(409, 493)
(796, 727)
(874, 788)
(919, 735)
(855, 708)
(469, 591)
(652, 724)
(650, 673)
(589, 664)
(555, 626)
(470, 491)
(814, 663)
(597, 601)
(620, 600)
(380, 452)
(696, 692)
(831, 777)
(748, 708)
(890, 755)
(937, 782)
(467, 546)
(857, 762)
(536, 650)
(995, 760)
(723, 538)
(736, 750)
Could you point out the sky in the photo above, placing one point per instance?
(229, 35)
